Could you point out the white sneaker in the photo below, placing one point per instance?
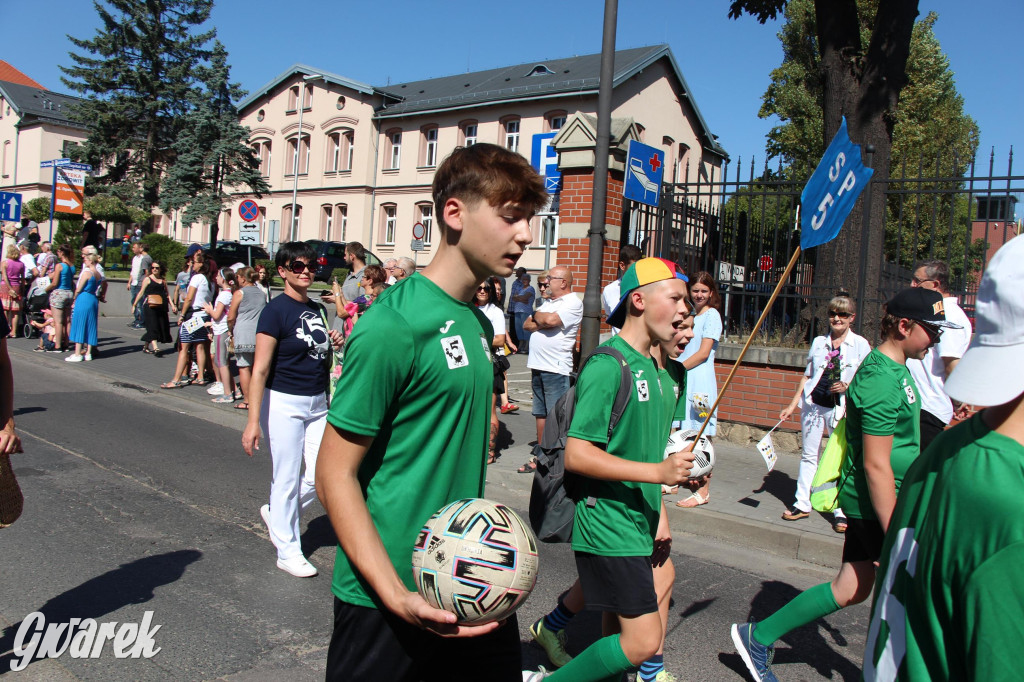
(74, 357)
(297, 566)
(216, 388)
(88, 357)
(535, 676)
(265, 514)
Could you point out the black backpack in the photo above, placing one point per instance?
(555, 491)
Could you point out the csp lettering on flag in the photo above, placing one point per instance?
(833, 189)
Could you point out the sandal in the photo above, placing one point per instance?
(223, 400)
(147, 351)
(839, 524)
(528, 468)
(694, 500)
(203, 382)
(794, 514)
(242, 406)
(176, 384)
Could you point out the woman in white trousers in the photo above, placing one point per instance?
(831, 363)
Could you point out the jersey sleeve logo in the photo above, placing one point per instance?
(909, 390)
(454, 352)
(642, 392)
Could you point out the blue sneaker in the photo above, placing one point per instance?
(755, 655)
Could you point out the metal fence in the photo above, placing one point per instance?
(743, 232)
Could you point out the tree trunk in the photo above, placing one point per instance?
(865, 89)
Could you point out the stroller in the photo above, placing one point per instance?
(35, 303)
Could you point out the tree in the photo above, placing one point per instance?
(211, 151)
(861, 80)
(138, 84)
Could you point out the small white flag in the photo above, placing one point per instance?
(767, 448)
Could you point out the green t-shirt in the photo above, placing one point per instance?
(620, 518)
(674, 375)
(949, 601)
(882, 401)
(418, 379)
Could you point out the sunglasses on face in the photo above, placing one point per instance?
(931, 330)
(836, 313)
(298, 266)
(542, 285)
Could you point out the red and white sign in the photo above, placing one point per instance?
(765, 263)
(418, 231)
(69, 191)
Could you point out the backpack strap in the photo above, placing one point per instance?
(625, 384)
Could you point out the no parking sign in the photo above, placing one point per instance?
(249, 211)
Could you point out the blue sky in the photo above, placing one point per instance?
(726, 62)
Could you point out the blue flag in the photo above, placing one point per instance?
(831, 192)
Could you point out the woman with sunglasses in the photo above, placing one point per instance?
(288, 400)
(486, 300)
(158, 327)
(199, 293)
(821, 396)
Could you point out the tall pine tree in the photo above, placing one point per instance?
(138, 76)
(211, 152)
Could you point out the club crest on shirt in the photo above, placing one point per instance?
(909, 390)
(642, 393)
(454, 352)
(312, 331)
(487, 347)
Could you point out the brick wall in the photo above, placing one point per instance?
(758, 393)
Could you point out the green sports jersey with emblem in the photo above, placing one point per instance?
(882, 401)
(673, 381)
(418, 379)
(949, 601)
(620, 518)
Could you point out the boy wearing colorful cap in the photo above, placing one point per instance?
(618, 514)
(949, 602)
(883, 433)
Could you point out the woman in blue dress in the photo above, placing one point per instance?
(699, 361)
(86, 313)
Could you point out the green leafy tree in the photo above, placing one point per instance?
(37, 209)
(212, 151)
(137, 74)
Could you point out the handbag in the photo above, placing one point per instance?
(154, 300)
(826, 485)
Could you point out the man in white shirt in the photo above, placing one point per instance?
(140, 268)
(610, 296)
(553, 337)
(390, 267)
(931, 372)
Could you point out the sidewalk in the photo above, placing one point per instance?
(746, 502)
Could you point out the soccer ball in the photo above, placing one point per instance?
(704, 452)
(477, 559)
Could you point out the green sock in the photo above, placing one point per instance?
(601, 661)
(806, 607)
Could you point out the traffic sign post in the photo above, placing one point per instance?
(249, 211)
(249, 233)
(71, 186)
(544, 160)
(10, 206)
(645, 168)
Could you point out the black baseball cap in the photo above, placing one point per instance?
(923, 305)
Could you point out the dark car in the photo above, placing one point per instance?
(330, 256)
(229, 253)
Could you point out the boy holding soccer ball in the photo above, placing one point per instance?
(408, 431)
(617, 517)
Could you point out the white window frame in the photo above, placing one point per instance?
(470, 139)
(427, 220)
(342, 211)
(328, 212)
(430, 155)
(396, 150)
(334, 152)
(512, 134)
(390, 224)
(560, 120)
(350, 144)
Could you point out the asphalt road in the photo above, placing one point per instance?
(137, 501)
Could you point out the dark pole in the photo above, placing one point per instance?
(592, 295)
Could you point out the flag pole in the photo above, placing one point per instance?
(750, 339)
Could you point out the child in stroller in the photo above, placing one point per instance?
(37, 308)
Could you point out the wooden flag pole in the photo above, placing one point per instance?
(760, 321)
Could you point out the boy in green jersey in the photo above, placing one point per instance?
(620, 510)
(408, 431)
(883, 434)
(949, 602)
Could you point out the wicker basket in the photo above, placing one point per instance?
(11, 499)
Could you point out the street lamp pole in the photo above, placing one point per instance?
(298, 150)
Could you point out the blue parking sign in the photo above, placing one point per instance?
(645, 168)
(10, 206)
(544, 160)
(832, 191)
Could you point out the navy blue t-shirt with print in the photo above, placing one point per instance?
(299, 366)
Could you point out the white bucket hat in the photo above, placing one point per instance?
(991, 372)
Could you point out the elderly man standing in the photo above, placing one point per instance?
(391, 270)
(552, 339)
(931, 372)
(406, 267)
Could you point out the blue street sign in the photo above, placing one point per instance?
(10, 206)
(645, 167)
(545, 161)
(833, 189)
(66, 163)
(53, 162)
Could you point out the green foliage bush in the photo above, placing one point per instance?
(166, 251)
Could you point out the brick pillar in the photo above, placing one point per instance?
(574, 213)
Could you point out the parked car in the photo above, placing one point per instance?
(229, 253)
(330, 256)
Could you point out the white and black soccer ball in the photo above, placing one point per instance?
(477, 559)
(703, 451)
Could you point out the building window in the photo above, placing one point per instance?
(347, 149)
(307, 98)
(261, 149)
(428, 156)
(341, 221)
(3, 164)
(547, 230)
(427, 220)
(286, 221)
(390, 216)
(300, 152)
(326, 222)
(554, 120)
(333, 152)
(512, 134)
(468, 131)
(293, 99)
(394, 149)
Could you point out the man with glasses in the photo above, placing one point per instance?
(931, 372)
(391, 270)
(552, 332)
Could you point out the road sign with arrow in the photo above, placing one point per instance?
(69, 190)
(10, 206)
